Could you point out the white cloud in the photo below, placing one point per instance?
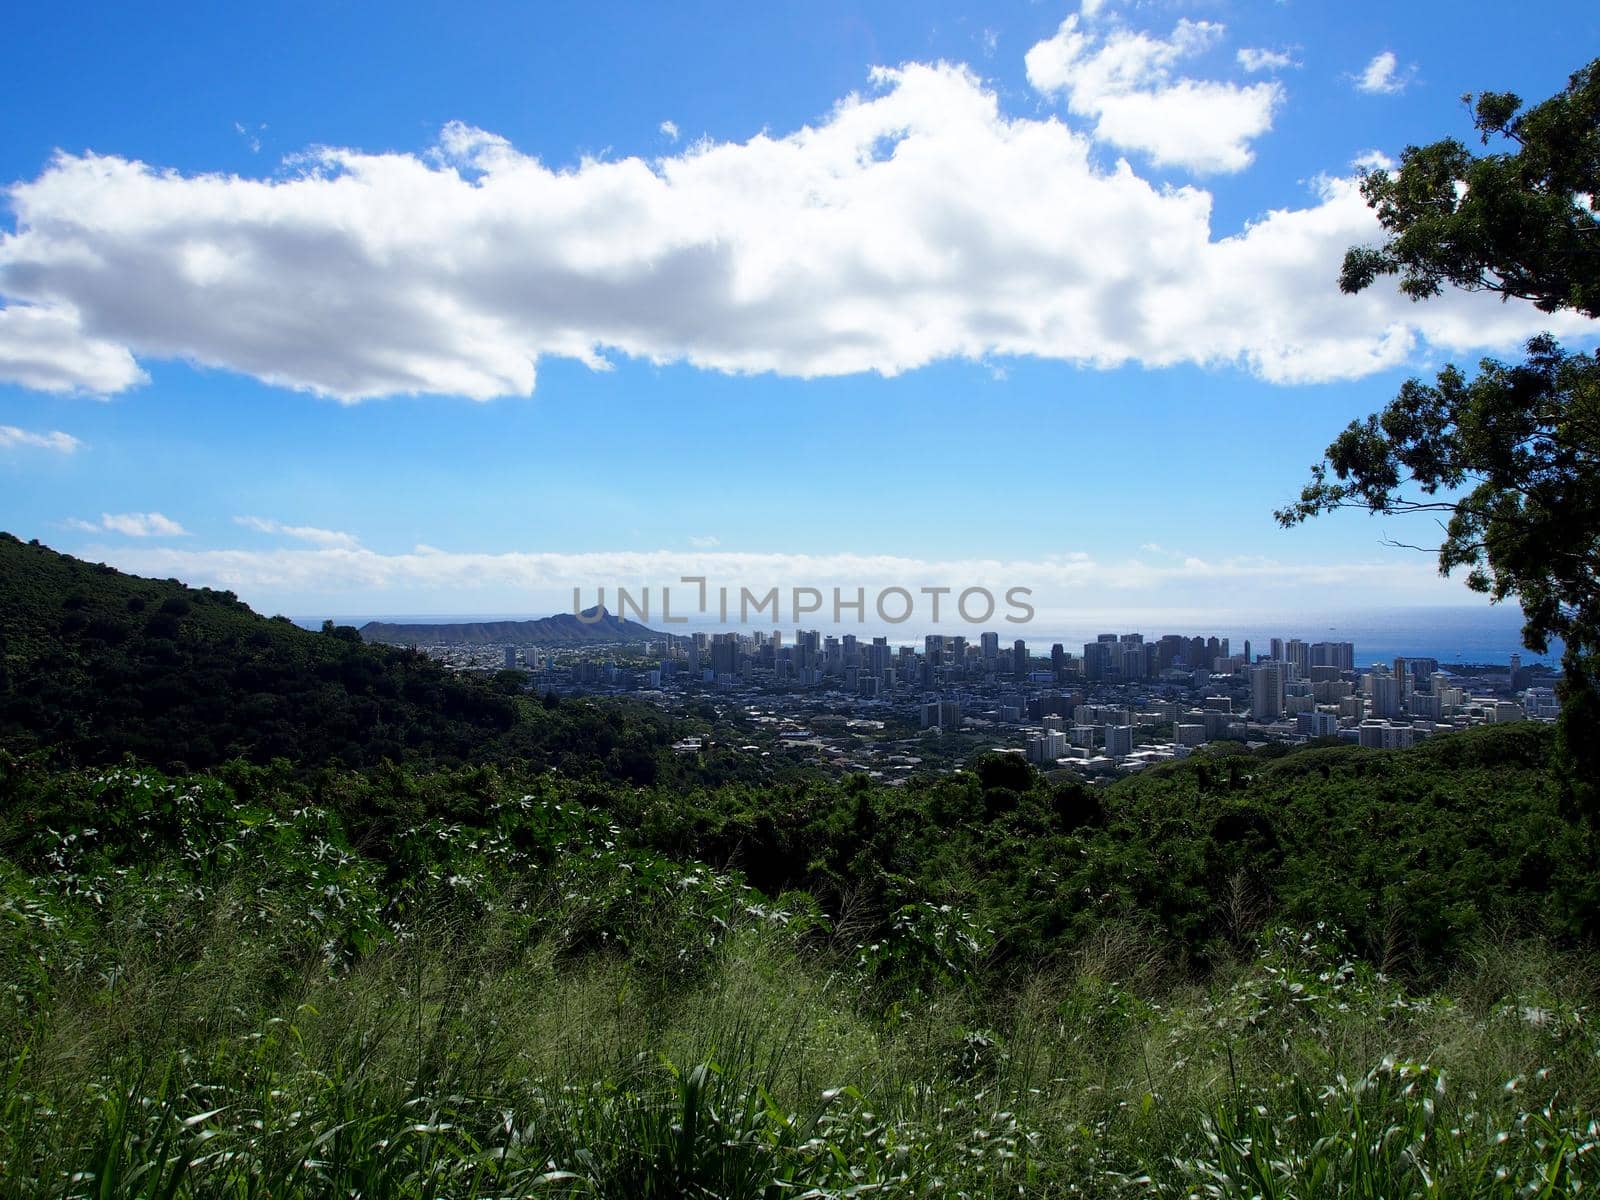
(134, 524)
(44, 347)
(305, 533)
(706, 542)
(914, 224)
(670, 130)
(1382, 76)
(11, 436)
(1124, 81)
(1258, 59)
(540, 582)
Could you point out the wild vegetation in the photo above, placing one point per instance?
(96, 664)
(218, 985)
(472, 947)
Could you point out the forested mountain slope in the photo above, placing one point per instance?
(98, 664)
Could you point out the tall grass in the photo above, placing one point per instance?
(452, 1063)
(255, 1015)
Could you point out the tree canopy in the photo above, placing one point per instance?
(1508, 460)
(1519, 222)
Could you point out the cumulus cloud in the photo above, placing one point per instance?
(305, 533)
(1124, 82)
(1382, 76)
(669, 130)
(914, 223)
(1258, 59)
(11, 436)
(44, 347)
(134, 524)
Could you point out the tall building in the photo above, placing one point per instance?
(1298, 655)
(878, 658)
(1334, 654)
(1132, 659)
(1266, 691)
(725, 655)
(1096, 661)
(1046, 747)
(1019, 658)
(1383, 691)
(1169, 649)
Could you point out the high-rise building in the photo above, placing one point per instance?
(725, 655)
(1096, 661)
(1119, 740)
(1334, 654)
(1266, 691)
(1317, 724)
(1383, 693)
(1019, 658)
(1169, 649)
(1298, 655)
(1046, 747)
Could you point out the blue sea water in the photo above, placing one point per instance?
(1486, 636)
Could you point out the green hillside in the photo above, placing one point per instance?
(98, 664)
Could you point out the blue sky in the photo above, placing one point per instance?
(567, 298)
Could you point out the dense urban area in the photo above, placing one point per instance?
(1118, 706)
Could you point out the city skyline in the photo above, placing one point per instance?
(1382, 637)
(1118, 704)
